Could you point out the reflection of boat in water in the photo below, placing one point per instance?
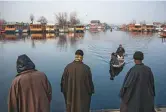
(38, 36)
(79, 35)
(10, 37)
(134, 34)
(94, 30)
(70, 34)
(50, 35)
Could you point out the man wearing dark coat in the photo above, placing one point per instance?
(77, 85)
(138, 90)
(120, 51)
(30, 90)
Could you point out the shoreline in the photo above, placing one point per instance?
(158, 109)
(162, 109)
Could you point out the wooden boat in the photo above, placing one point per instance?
(121, 62)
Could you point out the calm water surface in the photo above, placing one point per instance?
(51, 55)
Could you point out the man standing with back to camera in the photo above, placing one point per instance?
(138, 90)
(77, 85)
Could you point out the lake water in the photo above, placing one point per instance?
(51, 55)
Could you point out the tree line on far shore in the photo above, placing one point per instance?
(61, 18)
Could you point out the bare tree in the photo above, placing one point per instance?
(32, 18)
(61, 18)
(42, 20)
(73, 18)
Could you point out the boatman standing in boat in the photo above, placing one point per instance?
(77, 85)
(30, 90)
(120, 51)
(138, 90)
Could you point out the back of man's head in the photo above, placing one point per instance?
(138, 57)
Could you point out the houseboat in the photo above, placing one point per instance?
(79, 28)
(137, 27)
(163, 33)
(63, 29)
(94, 24)
(37, 28)
(157, 26)
(50, 28)
(2, 29)
(101, 27)
(130, 27)
(10, 28)
(71, 29)
(147, 27)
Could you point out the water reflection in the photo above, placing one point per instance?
(38, 36)
(50, 35)
(163, 40)
(10, 37)
(98, 53)
(74, 38)
(62, 42)
(114, 71)
(95, 35)
(141, 34)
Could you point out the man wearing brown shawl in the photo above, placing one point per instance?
(30, 90)
(138, 90)
(77, 85)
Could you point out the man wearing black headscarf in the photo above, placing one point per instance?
(138, 90)
(30, 90)
(77, 85)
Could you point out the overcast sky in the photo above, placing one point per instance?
(106, 11)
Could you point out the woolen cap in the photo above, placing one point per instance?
(79, 52)
(138, 55)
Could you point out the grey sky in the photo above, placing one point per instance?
(105, 11)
